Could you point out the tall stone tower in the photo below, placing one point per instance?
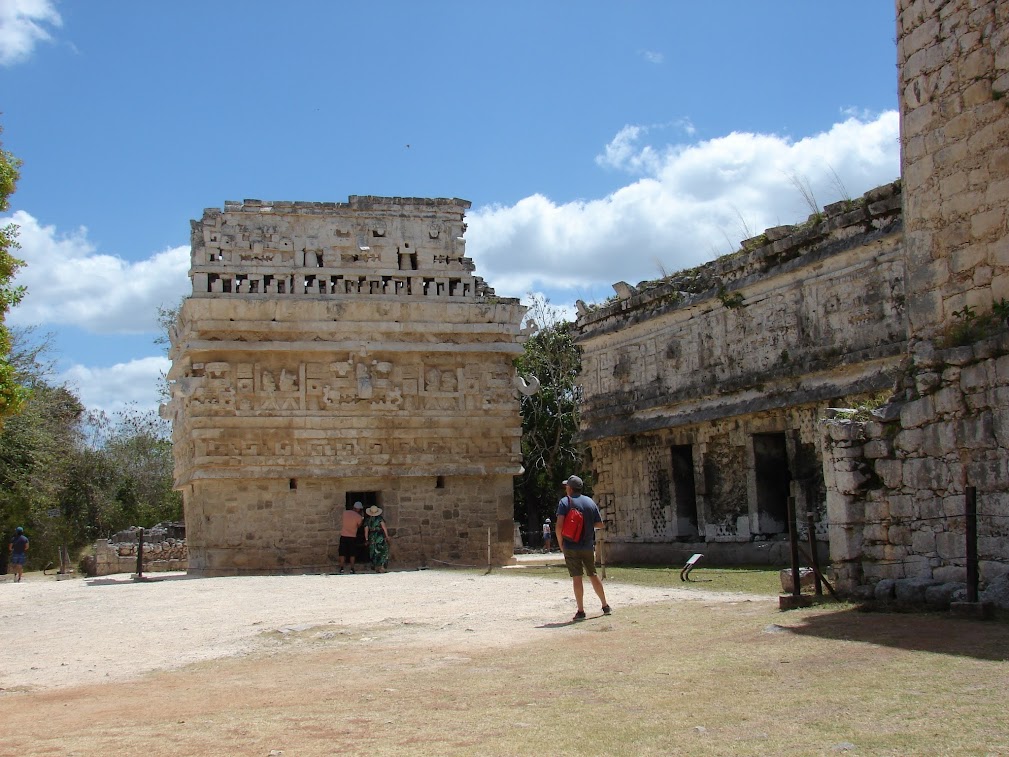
(336, 352)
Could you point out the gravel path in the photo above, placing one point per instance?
(85, 631)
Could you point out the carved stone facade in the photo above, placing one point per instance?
(708, 396)
(334, 352)
(702, 392)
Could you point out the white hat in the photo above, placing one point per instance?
(358, 506)
(374, 510)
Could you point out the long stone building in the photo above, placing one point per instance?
(335, 352)
(710, 396)
(702, 391)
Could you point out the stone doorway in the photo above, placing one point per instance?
(684, 492)
(773, 476)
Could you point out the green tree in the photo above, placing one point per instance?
(138, 448)
(69, 476)
(550, 449)
(38, 446)
(12, 394)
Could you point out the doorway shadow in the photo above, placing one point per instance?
(918, 632)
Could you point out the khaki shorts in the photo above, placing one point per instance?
(580, 561)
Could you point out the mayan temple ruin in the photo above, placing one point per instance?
(341, 352)
(713, 396)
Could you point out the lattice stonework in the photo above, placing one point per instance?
(659, 499)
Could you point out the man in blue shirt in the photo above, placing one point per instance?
(580, 556)
(19, 551)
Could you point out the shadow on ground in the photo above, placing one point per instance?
(126, 580)
(920, 632)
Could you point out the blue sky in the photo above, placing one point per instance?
(599, 140)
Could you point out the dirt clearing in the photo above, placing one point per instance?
(443, 662)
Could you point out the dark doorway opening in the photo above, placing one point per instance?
(684, 493)
(770, 462)
(368, 499)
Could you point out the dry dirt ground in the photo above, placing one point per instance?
(88, 662)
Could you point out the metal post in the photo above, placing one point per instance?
(971, 529)
(140, 555)
(602, 551)
(793, 541)
(815, 559)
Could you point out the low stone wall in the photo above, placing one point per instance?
(111, 557)
(896, 485)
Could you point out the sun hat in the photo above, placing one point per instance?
(358, 506)
(374, 510)
(573, 481)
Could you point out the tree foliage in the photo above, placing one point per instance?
(550, 450)
(69, 476)
(12, 394)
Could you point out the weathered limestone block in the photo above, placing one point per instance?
(891, 472)
(923, 541)
(976, 432)
(909, 442)
(918, 413)
(939, 596)
(885, 589)
(923, 473)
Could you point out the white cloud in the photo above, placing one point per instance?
(115, 387)
(652, 57)
(22, 25)
(690, 203)
(70, 282)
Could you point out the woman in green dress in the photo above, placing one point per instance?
(377, 537)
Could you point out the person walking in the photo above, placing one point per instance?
(377, 536)
(580, 554)
(349, 543)
(547, 535)
(19, 551)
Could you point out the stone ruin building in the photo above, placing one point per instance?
(702, 392)
(709, 396)
(335, 352)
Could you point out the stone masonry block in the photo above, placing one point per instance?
(925, 473)
(976, 432)
(950, 545)
(923, 541)
(948, 400)
(891, 472)
(878, 448)
(910, 441)
(938, 439)
(917, 413)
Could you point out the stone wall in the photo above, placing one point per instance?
(287, 529)
(953, 63)
(897, 485)
(121, 557)
(341, 351)
(702, 392)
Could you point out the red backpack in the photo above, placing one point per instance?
(574, 521)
